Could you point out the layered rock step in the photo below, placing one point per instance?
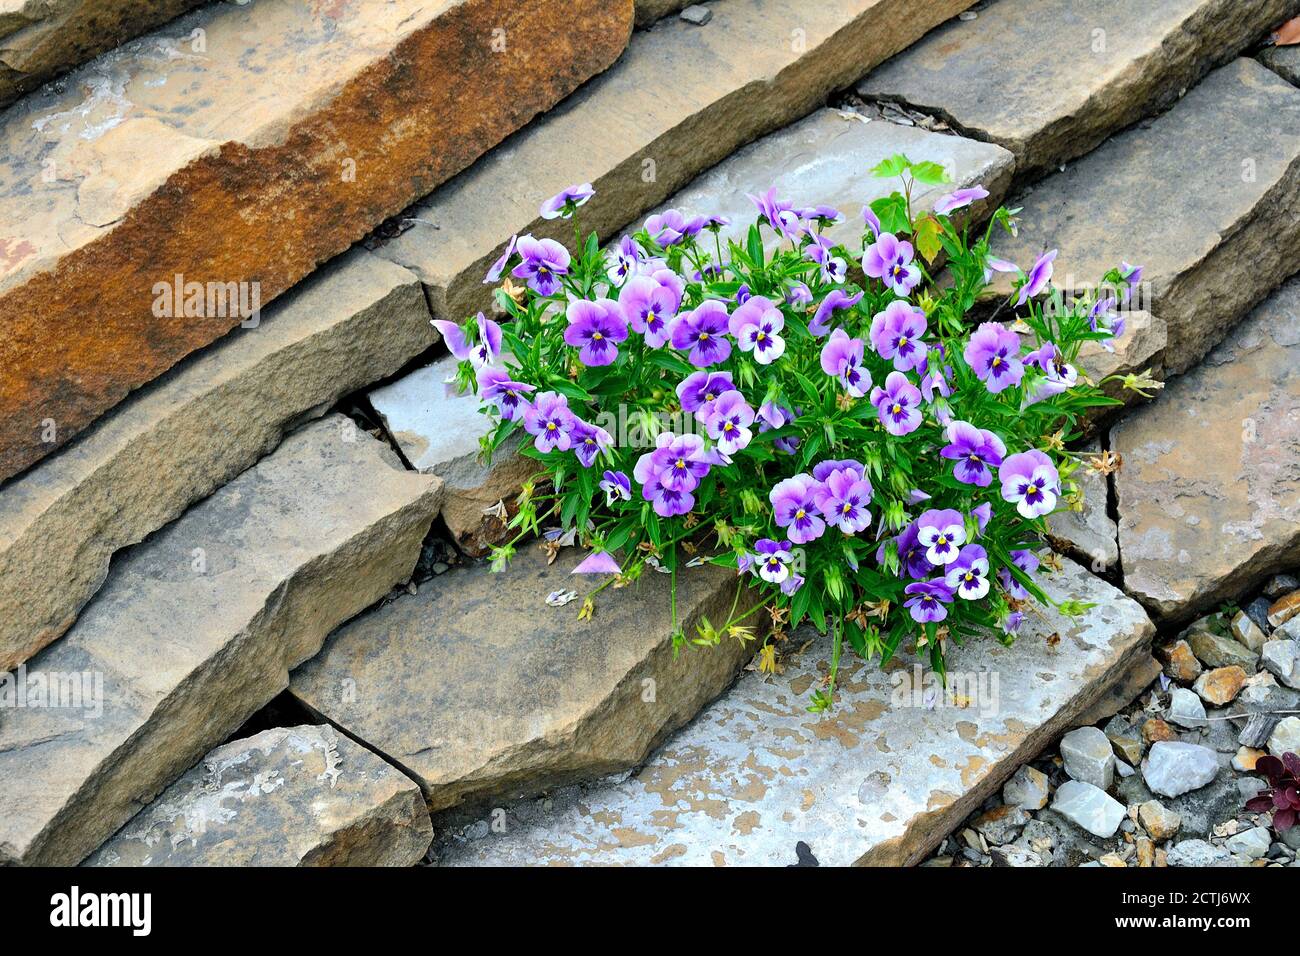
(1078, 73)
(356, 320)
(196, 629)
(236, 149)
(1086, 530)
(1209, 490)
(1204, 198)
(880, 780)
(478, 689)
(290, 796)
(756, 66)
(39, 39)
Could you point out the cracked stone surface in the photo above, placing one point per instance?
(220, 604)
(358, 319)
(1206, 197)
(756, 773)
(478, 689)
(289, 796)
(1209, 493)
(756, 67)
(1079, 72)
(158, 160)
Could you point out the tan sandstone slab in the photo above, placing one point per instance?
(1209, 492)
(1205, 198)
(358, 319)
(681, 99)
(478, 689)
(1050, 79)
(289, 796)
(293, 130)
(39, 39)
(198, 627)
(879, 781)
(1088, 533)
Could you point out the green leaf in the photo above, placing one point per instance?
(894, 166)
(931, 174)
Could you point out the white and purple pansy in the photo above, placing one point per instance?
(968, 576)
(1030, 481)
(942, 532)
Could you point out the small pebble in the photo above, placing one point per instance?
(697, 14)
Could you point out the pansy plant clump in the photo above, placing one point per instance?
(824, 418)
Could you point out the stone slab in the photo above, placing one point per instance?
(296, 129)
(39, 39)
(1089, 534)
(1282, 60)
(1206, 197)
(1050, 79)
(880, 780)
(198, 627)
(1209, 492)
(289, 796)
(1140, 349)
(438, 430)
(756, 67)
(478, 689)
(358, 319)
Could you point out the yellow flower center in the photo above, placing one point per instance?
(596, 336)
(897, 408)
(800, 514)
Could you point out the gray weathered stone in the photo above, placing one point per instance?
(1185, 708)
(759, 65)
(1173, 767)
(1209, 502)
(1285, 737)
(1089, 807)
(1078, 73)
(1001, 824)
(1282, 60)
(1215, 650)
(697, 14)
(1258, 728)
(1280, 585)
(755, 772)
(1282, 658)
(1088, 757)
(289, 796)
(1089, 534)
(648, 11)
(360, 318)
(478, 689)
(39, 39)
(1026, 789)
(1128, 202)
(1198, 853)
(1252, 843)
(1246, 631)
(197, 628)
(438, 430)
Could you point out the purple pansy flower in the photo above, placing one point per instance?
(1060, 375)
(772, 560)
(896, 335)
(700, 390)
(968, 576)
(993, 352)
(959, 199)
(1026, 561)
(595, 328)
(941, 532)
(823, 469)
(842, 359)
(677, 463)
(669, 227)
(928, 601)
(983, 513)
(728, 423)
(623, 261)
(798, 294)
(975, 451)
(588, 441)
(566, 201)
(844, 500)
(835, 301)
(898, 404)
(499, 267)
(780, 214)
(703, 331)
(872, 220)
(911, 553)
(1133, 276)
(550, 422)
(772, 416)
(1012, 622)
(890, 260)
(667, 502)
(993, 264)
(481, 353)
(757, 326)
(544, 261)
(834, 270)
(1038, 277)
(650, 307)
(794, 504)
(1030, 482)
(617, 487)
(598, 562)
(822, 215)
(495, 385)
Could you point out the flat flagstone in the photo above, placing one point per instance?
(1140, 349)
(237, 148)
(197, 628)
(438, 430)
(1089, 533)
(757, 66)
(1078, 73)
(478, 689)
(289, 796)
(40, 39)
(358, 319)
(881, 780)
(1209, 490)
(1201, 197)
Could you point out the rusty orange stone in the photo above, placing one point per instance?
(1155, 730)
(229, 173)
(1179, 661)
